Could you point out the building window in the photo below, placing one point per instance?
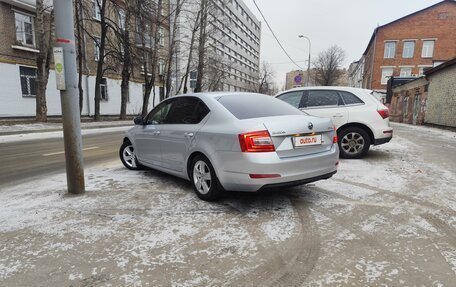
(161, 36)
(104, 90)
(97, 43)
(161, 67)
(406, 72)
(96, 10)
(28, 81)
(122, 20)
(386, 74)
(390, 50)
(25, 30)
(193, 76)
(428, 49)
(409, 49)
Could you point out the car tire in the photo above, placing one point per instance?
(128, 157)
(204, 180)
(354, 143)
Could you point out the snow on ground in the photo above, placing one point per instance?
(428, 130)
(135, 225)
(57, 134)
(56, 126)
(386, 219)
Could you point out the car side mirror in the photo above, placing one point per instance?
(139, 121)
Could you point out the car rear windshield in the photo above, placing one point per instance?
(257, 106)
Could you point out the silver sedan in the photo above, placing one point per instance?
(232, 141)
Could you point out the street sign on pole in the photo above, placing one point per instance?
(59, 64)
(66, 73)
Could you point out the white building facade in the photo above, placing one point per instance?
(234, 40)
(18, 71)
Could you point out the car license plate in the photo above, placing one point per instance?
(307, 140)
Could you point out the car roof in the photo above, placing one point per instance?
(217, 94)
(332, 88)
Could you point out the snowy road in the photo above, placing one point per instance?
(388, 219)
(42, 154)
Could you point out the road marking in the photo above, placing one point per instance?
(62, 152)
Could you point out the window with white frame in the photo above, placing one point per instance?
(390, 50)
(28, 81)
(97, 43)
(104, 90)
(161, 67)
(409, 49)
(25, 30)
(423, 69)
(386, 74)
(161, 36)
(193, 77)
(406, 72)
(428, 49)
(122, 20)
(96, 10)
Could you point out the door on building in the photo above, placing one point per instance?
(416, 109)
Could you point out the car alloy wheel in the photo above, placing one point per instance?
(352, 143)
(128, 156)
(202, 178)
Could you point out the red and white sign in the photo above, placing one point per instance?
(307, 140)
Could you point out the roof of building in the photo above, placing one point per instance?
(441, 67)
(402, 18)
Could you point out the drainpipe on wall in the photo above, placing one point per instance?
(373, 60)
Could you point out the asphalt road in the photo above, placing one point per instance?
(32, 159)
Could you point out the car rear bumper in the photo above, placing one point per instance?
(234, 169)
(383, 136)
(278, 186)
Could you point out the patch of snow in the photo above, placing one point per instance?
(371, 270)
(57, 134)
(283, 224)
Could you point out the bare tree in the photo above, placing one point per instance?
(328, 66)
(202, 45)
(175, 14)
(44, 19)
(80, 48)
(194, 29)
(266, 78)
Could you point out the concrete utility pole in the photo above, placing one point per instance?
(66, 77)
(308, 63)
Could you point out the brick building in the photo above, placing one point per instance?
(441, 103)
(408, 103)
(18, 50)
(409, 45)
(430, 99)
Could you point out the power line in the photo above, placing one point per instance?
(270, 29)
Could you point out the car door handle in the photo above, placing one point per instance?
(156, 133)
(188, 135)
(338, 116)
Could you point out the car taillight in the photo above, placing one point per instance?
(335, 138)
(256, 142)
(383, 113)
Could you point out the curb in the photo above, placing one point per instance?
(57, 130)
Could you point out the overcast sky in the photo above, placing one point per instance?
(346, 23)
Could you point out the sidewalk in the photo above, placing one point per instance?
(27, 128)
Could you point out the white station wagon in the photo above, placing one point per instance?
(360, 118)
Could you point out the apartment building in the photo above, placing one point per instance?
(408, 46)
(18, 50)
(234, 40)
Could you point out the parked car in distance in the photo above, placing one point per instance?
(360, 118)
(232, 141)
